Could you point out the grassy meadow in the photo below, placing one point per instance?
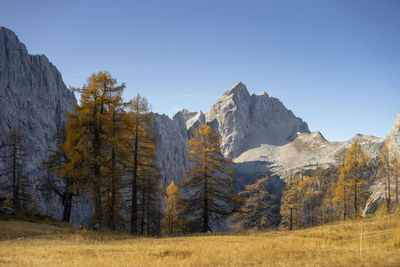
(365, 242)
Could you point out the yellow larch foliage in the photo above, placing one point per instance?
(174, 222)
(208, 182)
(352, 185)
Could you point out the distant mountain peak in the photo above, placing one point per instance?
(263, 93)
(245, 121)
(238, 89)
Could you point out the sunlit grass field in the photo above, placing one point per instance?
(366, 242)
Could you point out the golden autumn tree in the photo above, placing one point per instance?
(328, 209)
(316, 189)
(117, 152)
(144, 179)
(258, 209)
(354, 178)
(208, 183)
(91, 143)
(309, 199)
(174, 221)
(341, 197)
(291, 206)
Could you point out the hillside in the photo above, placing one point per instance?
(338, 244)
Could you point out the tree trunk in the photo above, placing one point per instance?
(113, 192)
(355, 196)
(67, 201)
(134, 180)
(205, 206)
(143, 214)
(388, 193)
(148, 215)
(98, 211)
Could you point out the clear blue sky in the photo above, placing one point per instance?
(336, 64)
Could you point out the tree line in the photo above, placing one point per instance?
(105, 153)
(342, 192)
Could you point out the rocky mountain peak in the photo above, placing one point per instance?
(238, 88)
(263, 93)
(246, 122)
(9, 39)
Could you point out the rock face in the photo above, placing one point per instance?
(171, 146)
(393, 137)
(246, 121)
(34, 98)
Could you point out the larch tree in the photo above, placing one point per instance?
(328, 207)
(145, 179)
(292, 203)
(174, 221)
(90, 142)
(13, 158)
(309, 199)
(342, 193)
(258, 210)
(208, 183)
(316, 188)
(385, 172)
(60, 178)
(353, 181)
(117, 154)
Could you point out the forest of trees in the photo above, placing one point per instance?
(105, 153)
(341, 192)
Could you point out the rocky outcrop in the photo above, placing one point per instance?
(246, 121)
(171, 146)
(393, 137)
(307, 151)
(34, 98)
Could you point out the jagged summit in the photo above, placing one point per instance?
(245, 121)
(239, 89)
(9, 41)
(263, 93)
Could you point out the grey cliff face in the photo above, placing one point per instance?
(245, 121)
(34, 98)
(171, 146)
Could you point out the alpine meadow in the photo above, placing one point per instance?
(123, 168)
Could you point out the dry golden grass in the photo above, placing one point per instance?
(336, 244)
